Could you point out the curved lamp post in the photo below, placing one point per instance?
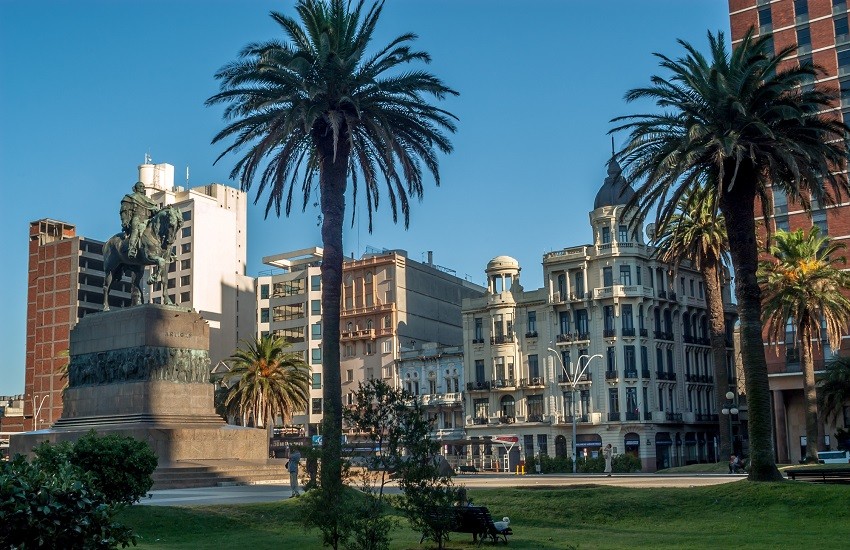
(37, 411)
(572, 381)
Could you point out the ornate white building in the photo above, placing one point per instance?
(640, 327)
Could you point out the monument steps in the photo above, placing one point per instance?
(185, 475)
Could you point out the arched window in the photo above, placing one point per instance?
(508, 407)
(368, 276)
(369, 324)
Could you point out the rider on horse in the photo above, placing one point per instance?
(136, 210)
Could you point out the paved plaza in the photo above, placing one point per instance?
(244, 494)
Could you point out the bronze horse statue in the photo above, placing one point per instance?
(154, 249)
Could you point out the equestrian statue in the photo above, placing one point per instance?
(148, 233)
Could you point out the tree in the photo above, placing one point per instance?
(266, 381)
(696, 233)
(835, 388)
(316, 111)
(801, 284)
(742, 121)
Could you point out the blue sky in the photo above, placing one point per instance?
(87, 88)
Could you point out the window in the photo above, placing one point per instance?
(316, 307)
(606, 235)
(349, 375)
(765, 19)
(479, 329)
(631, 404)
(287, 312)
(316, 331)
(542, 444)
(640, 317)
(638, 274)
(692, 287)
(508, 406)
(288, 288)
(623, 233)
(187, 215)
(579, 286)
(482, 407)
(669, 360)
(644, 359)
(581, 321)
(629, 357)
(317, 405)
(611, 359)
(172, 283)
(564, 321)
(626, 316)
(532, 321)
(187, 263)
(186, 232)
(185, 248)
(264, 315)
(843, 65)
(349, 350)
(499, 363)
(479, 370)
(184, 297)
(315, 282)
(388, 346)
(184, 280)
(370, 348)
(701, 290)
(172, 267)
(293, 335)
(562, 285)
(841, 28)
(608, 312)
(316, 354)
(607, 276)
(626, 275)
(264, 291)
(819, 220)
(535, 408)
(801, 10)
(533, 366)
(317, 380)
(613, 400)
(804, 39)
(659, 359)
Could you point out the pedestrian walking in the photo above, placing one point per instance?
(292, 465)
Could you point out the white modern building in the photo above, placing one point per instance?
(640, 327)
(209, 275)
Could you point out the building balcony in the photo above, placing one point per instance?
(644, 333)
(688, 339)
(628, 332)
(504, 339)
(480, 420)
(503, 384)
(532, 382)
(442, 399)
(609, 333)
(647, 415)
(535, 418)
(478, 340)
(673, 417)
(630, 375)
(583, 379)
(369, 310)
(662, 294)
(483, 385)
(507, 419)
(613, 417)
(568, 419)
(611, 375)
(364, 334)
(632, 416)
(645, 374)
(531, 334)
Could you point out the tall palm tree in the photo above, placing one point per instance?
(834, 390)
(743, 118)
(696, 233)
(801, 282)
(266, 381)
(314, 111)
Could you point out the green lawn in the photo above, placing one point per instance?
(735, 515)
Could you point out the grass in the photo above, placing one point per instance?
(742, 515)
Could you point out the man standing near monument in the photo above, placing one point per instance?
(294, 459)
(136, 210)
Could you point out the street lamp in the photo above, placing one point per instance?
(37, 411)
(729, 409)
(572, 381)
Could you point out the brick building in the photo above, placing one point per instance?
(820, 31)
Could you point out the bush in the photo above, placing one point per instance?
(55, 508)
(120, 467)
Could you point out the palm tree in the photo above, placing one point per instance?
(743, 119)
(319, 108)
(834, 390)
(801, 282)
(266, 381)
(695, 232)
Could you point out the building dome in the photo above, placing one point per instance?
(615, 189)
(502, 262)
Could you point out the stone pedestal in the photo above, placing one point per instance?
(143, 371)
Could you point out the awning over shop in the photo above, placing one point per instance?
(588, 440)
(632, 439)
(663, 438)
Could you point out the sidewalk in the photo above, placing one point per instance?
(233, 494)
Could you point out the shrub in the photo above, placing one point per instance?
(120, 466)
(55, 508)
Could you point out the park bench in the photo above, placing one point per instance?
(820, 475)
(469, 519)
(467, 470)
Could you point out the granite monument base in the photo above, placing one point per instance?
(143, 372)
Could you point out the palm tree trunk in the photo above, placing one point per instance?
(738, 208)
(804, 329)
(717, 326)
(332, 182)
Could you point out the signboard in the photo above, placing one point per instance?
(317, 440)
(505, 439)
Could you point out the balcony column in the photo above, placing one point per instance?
(781, 427)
